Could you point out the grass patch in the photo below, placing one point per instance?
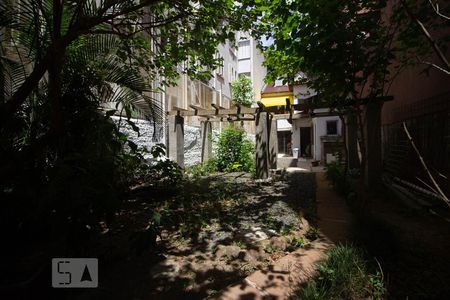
(344, 275)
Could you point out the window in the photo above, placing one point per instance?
(232, 73)
(332, 127)
(219, 69)
(244, 50)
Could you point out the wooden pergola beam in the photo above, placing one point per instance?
(195, 108)
(219, 112)
(224, 119)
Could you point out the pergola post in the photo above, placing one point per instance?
(206, 140)
(352, 141)
(262, 145)
(176, 140)
(273, 142)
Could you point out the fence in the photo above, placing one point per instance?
(429, 124)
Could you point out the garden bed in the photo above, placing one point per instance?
(214, 231)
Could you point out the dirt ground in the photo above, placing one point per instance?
(244, 229)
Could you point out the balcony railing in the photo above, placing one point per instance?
(194, 92)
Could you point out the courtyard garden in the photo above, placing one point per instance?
(214, 232)
(94, 99)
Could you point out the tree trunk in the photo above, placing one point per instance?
(344, 141)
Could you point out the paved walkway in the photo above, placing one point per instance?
(279, 280)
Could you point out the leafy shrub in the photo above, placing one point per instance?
(344, 275)
(234, 151)
(335, 172)
(164, 170)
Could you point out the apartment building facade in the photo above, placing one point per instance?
(250, 62)
(188, 93)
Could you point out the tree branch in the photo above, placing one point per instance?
(437, 11)
(81, 26)
(434, 66)
(425, 167)
(427, 34)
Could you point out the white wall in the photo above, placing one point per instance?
(259, 72)
(320, 129)
(230, 69)
(302, 92)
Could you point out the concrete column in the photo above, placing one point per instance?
(262, 145)
(176, 139)
(273, 143)
(352, 141)
(372, 130)
(206, 141)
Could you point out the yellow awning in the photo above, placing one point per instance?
(277, 101)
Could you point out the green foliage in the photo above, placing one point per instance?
(312, 234)
(242, 91)
(296, 242)
(412, 42)
(203, 169)
(273, 223)
(239, 244)
(339, 48)
(64, 162)
(270, 248)
(234, 152)
(335, 173)
(164, 171)
(286, 230)
(344, 275)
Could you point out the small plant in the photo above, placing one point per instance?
(269, 248)
(377, 285)
(335, 173)
(275, 224)
(212, 292)
(286, 230)
(312, 234)
(202, 169)
(239, 244)
(164, 171)
(296, 242)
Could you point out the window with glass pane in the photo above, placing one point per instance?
(244, 50)
(332, 128)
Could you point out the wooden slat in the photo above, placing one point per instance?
(214, 112)
(176, 109)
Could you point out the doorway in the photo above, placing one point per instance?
(305, 141)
